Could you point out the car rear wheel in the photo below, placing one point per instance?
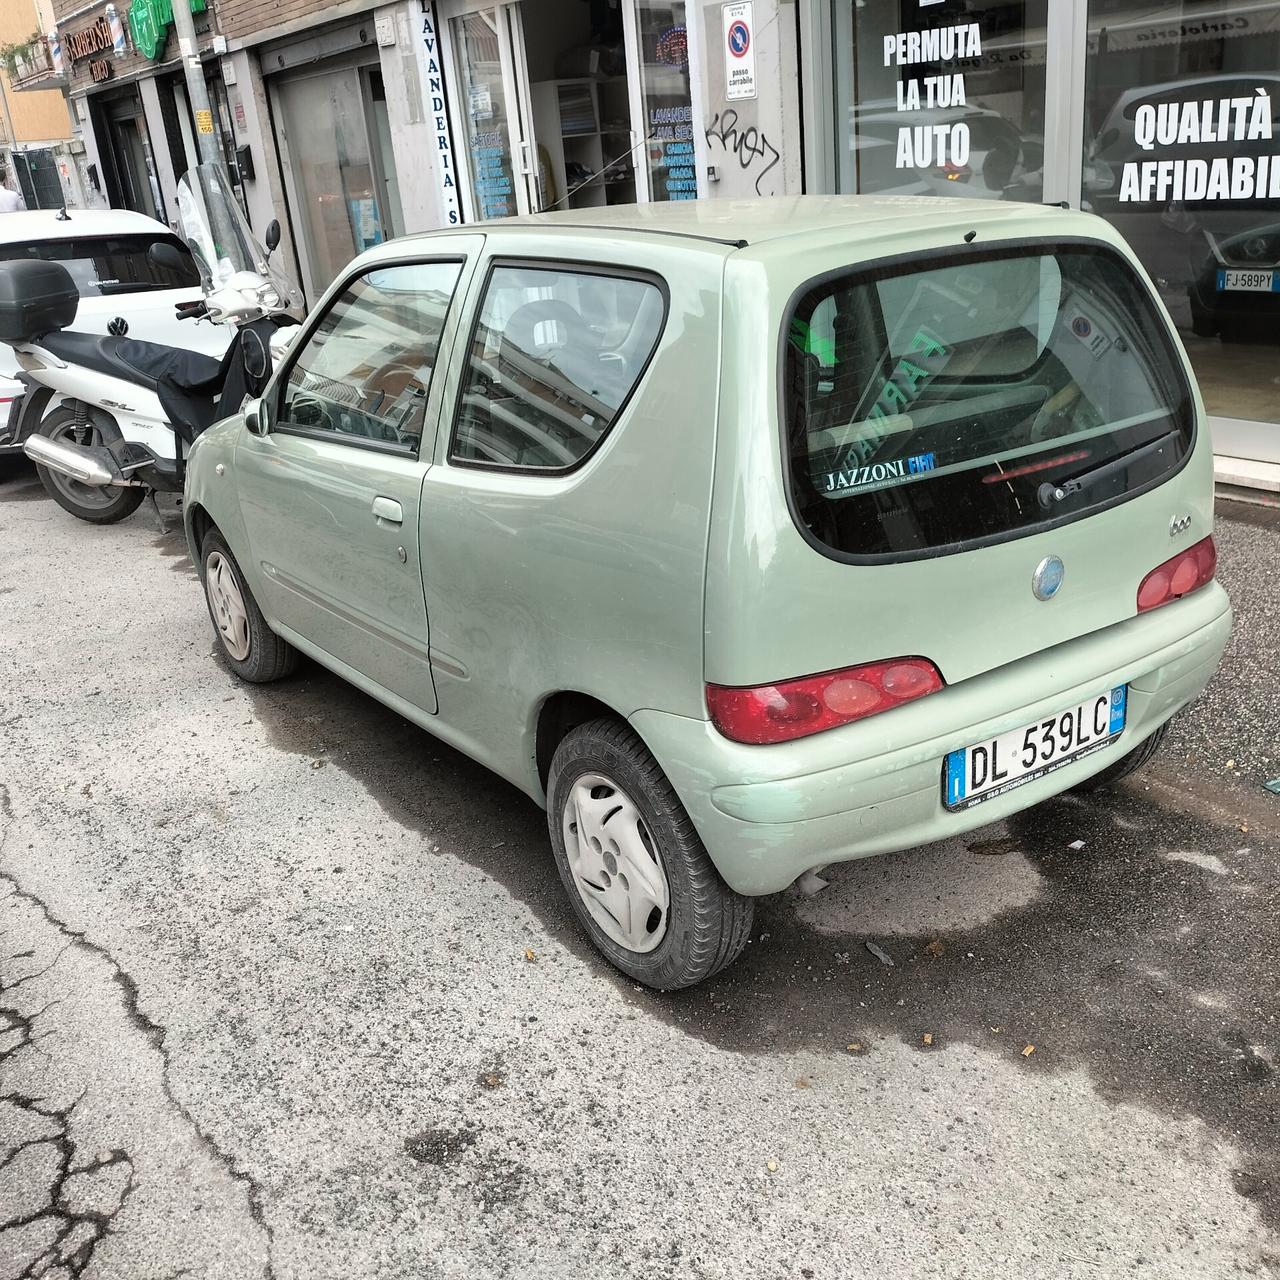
(1129, 763)
(636, 872)
(98, 504)
(252, 650)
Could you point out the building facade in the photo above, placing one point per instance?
(38, 142)
(354, 122)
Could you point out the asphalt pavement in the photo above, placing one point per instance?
(289, 989)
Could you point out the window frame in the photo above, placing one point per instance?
(277, 421)
(571, 266)
(954, 255)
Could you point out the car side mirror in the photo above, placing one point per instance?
(255, 418)
(273, 235)
(168, 256)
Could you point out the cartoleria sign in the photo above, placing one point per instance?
(149, 22)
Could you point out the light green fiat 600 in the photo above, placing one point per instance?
(746, 537)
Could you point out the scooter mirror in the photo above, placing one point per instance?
(273, 235)
(168, 256)
(255, 418)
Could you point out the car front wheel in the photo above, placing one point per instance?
(636, 872)
(252, 650)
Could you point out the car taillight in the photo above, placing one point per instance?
(796, 708)
(1186, 572)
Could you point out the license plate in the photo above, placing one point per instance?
(1248, 281)
(989, 769)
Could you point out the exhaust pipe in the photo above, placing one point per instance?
(70, 460)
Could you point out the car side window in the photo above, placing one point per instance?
(555, 353)
(365, 371)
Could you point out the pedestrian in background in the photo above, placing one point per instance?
(11, 201)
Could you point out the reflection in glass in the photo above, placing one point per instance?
(475, 36)
(366, 369)
(554, 356)
(668, 112)
(959, 401)
(329, 156)
(1182, 155)
(941, 100)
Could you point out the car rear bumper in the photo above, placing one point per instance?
(767, 814)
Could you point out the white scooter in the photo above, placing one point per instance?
(126, 412)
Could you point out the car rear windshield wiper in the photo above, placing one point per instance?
(1049, 494)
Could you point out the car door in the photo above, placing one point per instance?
(330, 493)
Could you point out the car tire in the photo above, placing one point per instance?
(92, 503)
(1203, 324)
(252, 650)
(1128, 763)
(622, 842)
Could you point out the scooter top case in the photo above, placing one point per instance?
(36, 298)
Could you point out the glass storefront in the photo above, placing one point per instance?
(1163, 118)
(566, 105)
(946, 99)
(343, 174)
(668, 109)
(476, 37)
(1182, 121)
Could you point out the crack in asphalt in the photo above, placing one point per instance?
(98, 1224)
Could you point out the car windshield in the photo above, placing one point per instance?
(105, 265)
(930, 406)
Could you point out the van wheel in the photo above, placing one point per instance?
(253, 651)
(1127, 764)
(637, 874)
(98, 504)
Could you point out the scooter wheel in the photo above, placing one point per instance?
(97, 505)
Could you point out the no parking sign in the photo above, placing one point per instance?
(739, 51)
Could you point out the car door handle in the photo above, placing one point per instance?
(387, 511)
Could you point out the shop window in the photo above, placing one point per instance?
(668, 110)
(944, 99)
(1182, 155)
(477, 41)
(554, 356)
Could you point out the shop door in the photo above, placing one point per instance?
(342, 173)
(489, 92)
(133, 165)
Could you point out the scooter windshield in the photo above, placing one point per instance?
(218, 234)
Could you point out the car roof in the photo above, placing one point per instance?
(739, 223)
(44, 224)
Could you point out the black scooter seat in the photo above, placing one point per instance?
(142, 363)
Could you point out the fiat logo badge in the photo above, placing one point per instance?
(1047, 578)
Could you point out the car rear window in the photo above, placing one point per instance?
(932, 405)
(105, 265)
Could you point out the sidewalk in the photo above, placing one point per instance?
(1244, 480)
